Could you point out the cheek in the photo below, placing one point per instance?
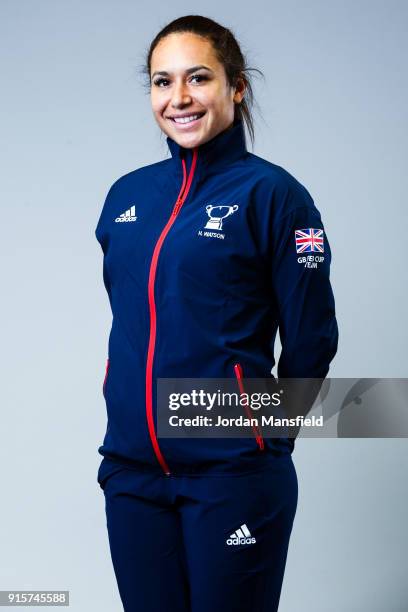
(157, 103)
(210, 95)
(215, 99)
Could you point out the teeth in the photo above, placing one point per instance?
(186, 119)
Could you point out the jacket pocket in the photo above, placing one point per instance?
(106, 377)
(240, 378)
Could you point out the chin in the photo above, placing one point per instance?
(189, 141)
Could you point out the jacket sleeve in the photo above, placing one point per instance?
(301, 286)
(102, 233)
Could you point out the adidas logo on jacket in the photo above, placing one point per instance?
(128, 215)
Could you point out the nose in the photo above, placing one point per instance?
(181, 96)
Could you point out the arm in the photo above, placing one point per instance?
(301, 285)
(303, 293)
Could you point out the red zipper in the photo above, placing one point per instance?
(185, 187)
(106, 376)
(240, 377)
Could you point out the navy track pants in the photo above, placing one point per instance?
(199, 543)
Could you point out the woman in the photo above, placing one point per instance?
(202, 265)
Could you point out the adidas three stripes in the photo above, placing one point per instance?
(241, 536)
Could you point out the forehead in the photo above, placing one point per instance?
(176, 52)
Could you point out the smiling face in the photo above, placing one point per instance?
(187, 81)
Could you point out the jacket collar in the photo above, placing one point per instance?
(225, 148)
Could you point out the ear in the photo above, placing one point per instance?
(239, 90)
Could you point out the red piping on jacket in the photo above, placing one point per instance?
(152, 307)
(239, 374)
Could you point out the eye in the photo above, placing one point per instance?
(159, 81)
(199, 76)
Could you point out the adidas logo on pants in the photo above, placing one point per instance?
(241, 536)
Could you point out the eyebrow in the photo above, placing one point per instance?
(188, 71)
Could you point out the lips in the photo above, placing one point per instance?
(184, 120)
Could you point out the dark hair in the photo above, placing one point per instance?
(228, 53)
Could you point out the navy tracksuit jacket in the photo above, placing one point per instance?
(206, 254)
(201, 266)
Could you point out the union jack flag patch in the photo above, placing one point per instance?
(308, 240)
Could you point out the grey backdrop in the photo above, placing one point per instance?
(75, 117)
